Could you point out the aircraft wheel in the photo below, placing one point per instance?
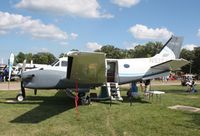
(20, 97)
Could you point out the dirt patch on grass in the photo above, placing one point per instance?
(193, 97)
(11, 101)
(10, 86)
(185, 108)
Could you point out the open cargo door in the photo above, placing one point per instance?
(87, 68)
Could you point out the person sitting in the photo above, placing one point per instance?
(193, 90)
(190, 84)
(147, 88)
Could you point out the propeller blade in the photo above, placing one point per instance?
(24, 66)
(11, 61)
(12, 57)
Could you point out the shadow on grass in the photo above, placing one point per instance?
(179, 92)
(107, 102)
(194, 123)
(125, 100)
(48, 107)
(195, 118)
(133, 100)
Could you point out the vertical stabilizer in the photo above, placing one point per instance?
(172, 47)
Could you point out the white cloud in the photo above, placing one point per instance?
(190, 46)
(73, 36)
(2, 32)
(93, 46)
(26, 25)
(81, 8)
(125, 3)
(143, 32)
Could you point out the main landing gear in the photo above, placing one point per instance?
(83, 98)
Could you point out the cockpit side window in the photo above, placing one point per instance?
(64, 63)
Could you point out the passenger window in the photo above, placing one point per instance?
(126, 65)
(64, 63)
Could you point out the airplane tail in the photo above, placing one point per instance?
(172, 48)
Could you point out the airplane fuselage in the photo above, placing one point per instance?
(117, 70)
(92, 69)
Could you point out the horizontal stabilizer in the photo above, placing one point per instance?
(171, 64)
(164, 68)
(161, 74)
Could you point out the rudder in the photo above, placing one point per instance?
(174, 44)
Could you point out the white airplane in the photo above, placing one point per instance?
(17, 68)
(88, 70)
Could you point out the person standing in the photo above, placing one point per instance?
(147, 85)
(5, 73)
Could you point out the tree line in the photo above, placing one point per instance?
(140, 51)
(38, 58)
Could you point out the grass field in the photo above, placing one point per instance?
(52, 113)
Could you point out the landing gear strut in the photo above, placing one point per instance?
(20, 97)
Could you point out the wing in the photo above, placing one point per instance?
(164, 68)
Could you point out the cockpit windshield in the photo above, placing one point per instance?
(54, 62)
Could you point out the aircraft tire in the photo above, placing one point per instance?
(19, 98)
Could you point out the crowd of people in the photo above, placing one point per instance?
(4, 74)
(145, 87)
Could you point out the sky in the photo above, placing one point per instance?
(58, 26)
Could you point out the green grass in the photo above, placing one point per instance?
(52, 113)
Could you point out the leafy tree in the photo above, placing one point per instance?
(196, 61)
(112, 52)
(188, 55)
(20, 57)
(139, 51)
(43, 58)
(152, 48)
(29, 57)
(130, 53)
(61, 55)
(109, 50)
